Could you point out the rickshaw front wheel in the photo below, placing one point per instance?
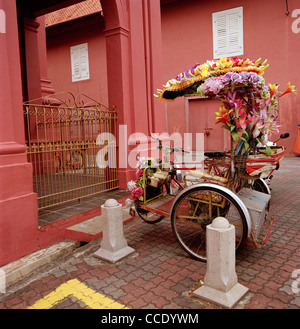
(148, 216)
(196, 207)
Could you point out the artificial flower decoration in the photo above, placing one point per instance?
(136, 193)
(273, 89)
(289, 89)
(222, 115)
(189, 81)
(137, 187)
(250, 106)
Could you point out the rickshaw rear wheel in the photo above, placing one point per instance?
(196, 208)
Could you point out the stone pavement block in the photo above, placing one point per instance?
(21, 268)
(295, 303)
(160, 275)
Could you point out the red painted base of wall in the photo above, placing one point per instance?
(58, 231)
(43, 237)
(18, 230)
(55, 232)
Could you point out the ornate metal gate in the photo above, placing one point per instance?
(64, 147)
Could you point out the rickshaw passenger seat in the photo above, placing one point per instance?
(214, 154)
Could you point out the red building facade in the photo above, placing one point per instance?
(134, 46)
(268, 31)
(24, 76)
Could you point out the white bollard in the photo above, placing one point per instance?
(2, 281)
(113, 245)
(220, 281)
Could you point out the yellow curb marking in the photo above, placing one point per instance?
(79, 290)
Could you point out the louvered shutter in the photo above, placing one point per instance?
(228, 33)
(80, 62)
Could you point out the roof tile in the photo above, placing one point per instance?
(78, 10)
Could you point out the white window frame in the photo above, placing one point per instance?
(228, 40)
(80, 62)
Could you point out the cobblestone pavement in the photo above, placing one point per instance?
(160, 275)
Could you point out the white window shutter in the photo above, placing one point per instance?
(84, 63)
(80, 62)
(75, 62)
(228, 33)
(220, 37)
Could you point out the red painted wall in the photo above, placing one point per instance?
(19, 233)
(125, 66)
(18, 203)
(188, 39)
(59, 41)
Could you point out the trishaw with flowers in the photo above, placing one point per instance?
(232, 185)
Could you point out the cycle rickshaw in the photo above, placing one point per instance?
(230, 184)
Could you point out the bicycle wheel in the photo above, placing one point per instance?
(75, 159)
(55, 161)
(148, 216)
(196, 207)
(261, 186)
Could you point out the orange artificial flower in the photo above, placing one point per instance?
(289, 89)
(273, 88)
(222, 115)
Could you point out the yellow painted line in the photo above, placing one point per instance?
(75, 288)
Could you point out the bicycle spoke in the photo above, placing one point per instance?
(193, 211)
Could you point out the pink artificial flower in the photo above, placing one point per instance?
(136, 193)
(271, 126)
(242, 121)
(232, 101)
(213, 85)
(263, 114)
(257, 125)
(139, 173)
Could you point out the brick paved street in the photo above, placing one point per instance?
(160, 275)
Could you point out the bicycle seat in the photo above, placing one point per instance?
(214, 154)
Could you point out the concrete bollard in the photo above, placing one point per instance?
(220, 281)
(113, 245)
(2, 281)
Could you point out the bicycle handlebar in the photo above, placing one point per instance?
(178, 149)
(172, 148)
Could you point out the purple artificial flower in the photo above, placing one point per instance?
(254, 79)
(191, 70)
(236, 78)
(226, 79)
(245, 76)
(213, 85)
(231, 100)
(180, 77)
